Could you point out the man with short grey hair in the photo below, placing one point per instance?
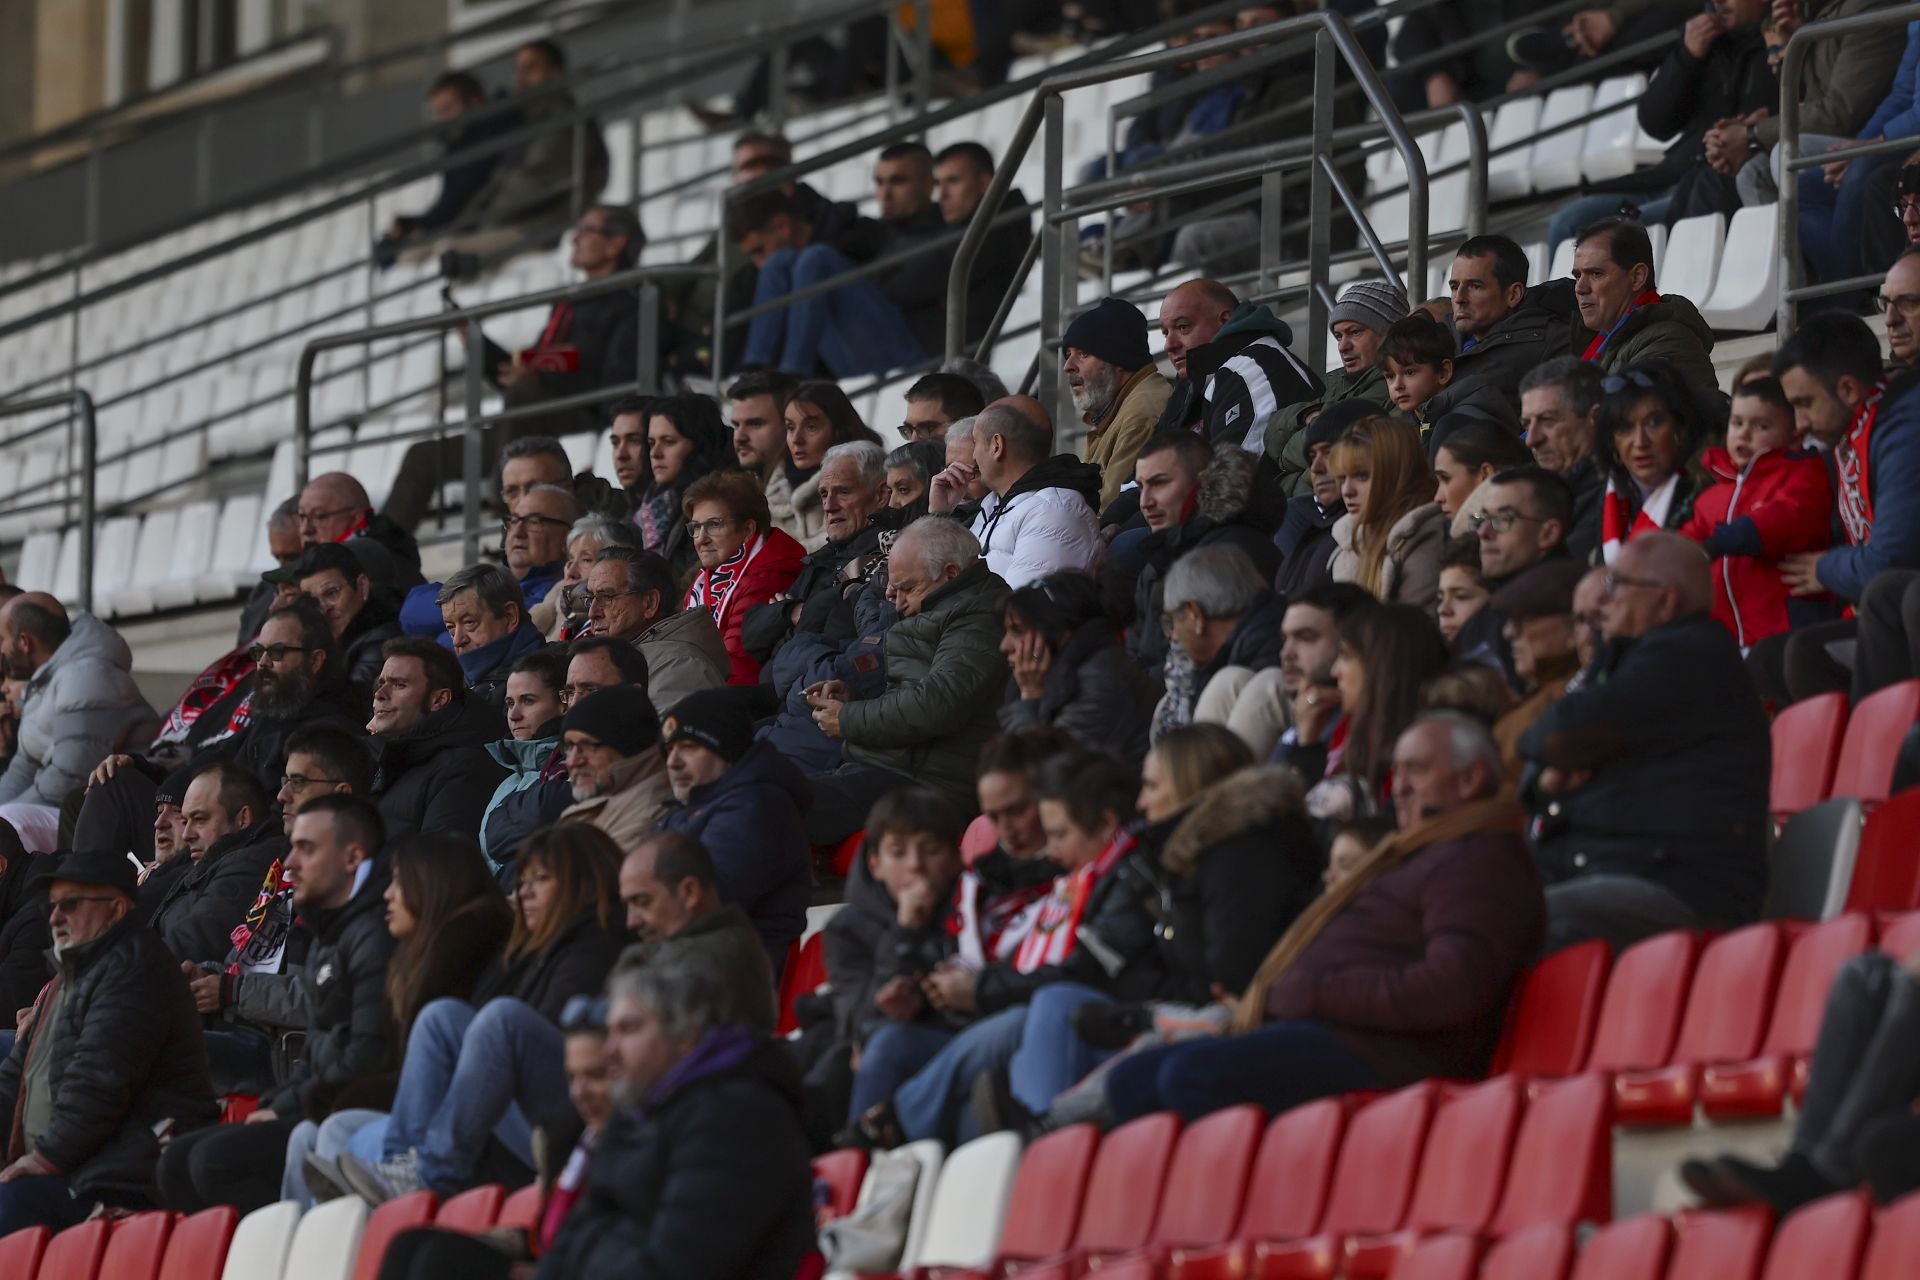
(634, 598)
(1223, 623)
(853, 487)
(960, 445)
(945, 681)
(486, 618)
(1040, 514)
(1559, 410)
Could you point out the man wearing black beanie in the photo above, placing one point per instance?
(1117, 389)
(1305, 538)
(610, 744)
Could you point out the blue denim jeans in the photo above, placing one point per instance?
(1279, 1066)
(1051, 1057)
(891, 1057)
(855, 329)
(1831, 218)
(327, 1139)
(1580, 212)
(469, 1074)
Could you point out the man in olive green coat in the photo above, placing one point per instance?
(1358, 321)
(1621, 318)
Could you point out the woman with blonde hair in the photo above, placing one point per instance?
(1392, 536)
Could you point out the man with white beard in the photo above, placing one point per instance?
(610, 744)
(1118, 390)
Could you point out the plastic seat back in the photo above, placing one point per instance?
(970, 1204)
(1886, 874)
(929, 1154)
(522, 1208)
(1875, 730)
(1562, 1166)
(1293, 1171)
(402, 1213)
(1806, 747)
(1896, 1242)
(21, 1251)
(1443, 1257)
(327, 1241)
(842, 1172)
(1464, 1165)
(1645, 995)
(1728, 1245)
(473, 1210)
(1123, 1190)
(1207, 1180)
(1732, 995)
(197, 1250)
(1800, 1003)
(1822, 1241)
(1549, 1028)
(805, 970)
(1810, 866)
(1048, 1189)
(260, 1243)
(1900, 934)
(138, 1246)
(1374, 1179)
(1542, 1252)
(1631, 1249)
(74, 1254)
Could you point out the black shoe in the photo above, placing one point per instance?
(1707, 1180)
(1793, 1183)
(877, 1129)
(1541, 50)
(1110, 1026)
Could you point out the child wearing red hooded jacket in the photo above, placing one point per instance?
(1773, 500)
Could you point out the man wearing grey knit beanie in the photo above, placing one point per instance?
(1358, 321)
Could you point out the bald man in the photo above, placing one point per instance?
(1235, 369)
(334, 507)
(1649, 781)
(81, 706)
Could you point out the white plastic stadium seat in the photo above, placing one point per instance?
(175, 586)
(1539, 262)
(1744, 299)
(328, 1238)
(1693, 257)
(930, 1154)
(240, 523)
(1509, 175)
(970, 1204)
(1556, 160)
(152, 561)
(260, 1243)
(1657, 235)
(113, 560)
(1562, 260)
(1611, 150)
(39, 556)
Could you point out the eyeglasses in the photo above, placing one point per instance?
(315, 517)
(589, 229)
(1501, 521)
(707, 528)
(1614, 383)
(534, 523)
(1901, 208)
(66, 906)
(274, 653)
(1614, 581)
(1906, 303)
(912, 431)
(296, 782)
(605, 599)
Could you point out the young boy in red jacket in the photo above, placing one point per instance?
(1773, 499)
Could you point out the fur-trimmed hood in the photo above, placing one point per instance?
(1233, 806)
(1226, 486)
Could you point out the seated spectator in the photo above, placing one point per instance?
(1069, 670)
(486, 617)
(1589, 620)
(1472, 454)
(937, 401)
(1772, 500)
(819, 418)
(434, 771)
(944, 677)
(1260, 707)
(338, 899)
(1842, 401)
(562, 615)
(1416, 355)
(903, 192)
(745, 802)
(360, 617)
(1560, 412)
(1358, 322)
(610, 743)
(82, 1123)
(536, 538)
(1463, 591)
(1649, 782)
(1116, 386)
(334, 508)
(707, 1132)
(911, 469)
(1651, 426)
(1224, 624)
(1334, 1005)
(284, 545)
(1504, 329)
(962, 173)
(853, 485)
(24, 939)
(744, 560)
(757, 407)
(1899, 297)
(1305, 539)
(1475, 71)
(81, 705)
(671, 889)
(686, 441)
(493, 1066)
(1521, 522)
(1623, 319)
(233, 838)
(1390, 540)
(1235, 367)
(534, 705)
(852, 329)
(1190, 496)
(1039, 514)
(1542, 637)
(635, 599)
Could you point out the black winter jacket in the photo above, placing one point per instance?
(575, 963)
(1533, 332)
(525, 812)
(375, 624)
(599, 338)
(1091, 692)
(344, 982)
(711, 1183)
(261, 748)
(919, 287)
(1305, 543)
(1589, 490)
(1116, 951)
(210, 898)
(826, 606)
(129, 1054)
(1689, 95)
(24, 935)
(437, 776)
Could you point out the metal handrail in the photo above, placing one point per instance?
(1793, 277)
(79, 404)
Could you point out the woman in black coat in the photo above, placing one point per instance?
(1069, 669)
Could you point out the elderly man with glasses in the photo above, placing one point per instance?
(634, 598)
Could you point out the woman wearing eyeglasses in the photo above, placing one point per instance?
(744, 560)
(1391, 538)
(1651, 427)
(685, 440)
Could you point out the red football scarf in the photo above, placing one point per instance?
(1851, 459)
(1057, 928)
(1600, 340)
(1620, 523)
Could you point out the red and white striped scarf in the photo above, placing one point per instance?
(1620, 523)
(1057, 928)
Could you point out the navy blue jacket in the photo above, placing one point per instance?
(1893, 477)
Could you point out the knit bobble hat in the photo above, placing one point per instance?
(1373, 303)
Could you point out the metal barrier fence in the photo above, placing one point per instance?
(80, 410)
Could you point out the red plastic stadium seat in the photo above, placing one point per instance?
(75, 1253)
(1440, 1258)
(805, 970)
(1123, 1188)
(1757, 1086)
(1822, 1241)
(197, 1250)
(1645, 995)
(137, 1246)
(1875, 730)
(840, 860)
(402, 1213)
(1462, 1171)
(1721, 1245)
(978, 840)
(1542, 1252)
(473, 1210)
(21, 1250)
(1886, 870)
(1287, 1191)
(843, 1172)
(1205, 1184)
(522, 1208)
(1726, 1016)
(1806, 747)
(1900, 934)
(1371, 1186)
(1562, 1166)
(1630, 1249)
(1043, 1213)
(1895, 1250)
(1549, 1029)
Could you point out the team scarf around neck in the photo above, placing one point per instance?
(1851, 460)
(1598, 346)
(1056, 929)
(1620, 523)
(715, 586)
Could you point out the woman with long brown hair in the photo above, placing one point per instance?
(1391, 538)
(818, 417)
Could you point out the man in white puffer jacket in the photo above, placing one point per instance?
(1041, 511)
(81, 706)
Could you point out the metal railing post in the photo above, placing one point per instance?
(647, 358)
(303, 416)
(723, 266)
(1272, 196)
(1058, 273)
(470, 442)
(1793, 272)
(777, 86)
(1320, 200)
(923, 72)
(1476, 168)
(89, 455)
